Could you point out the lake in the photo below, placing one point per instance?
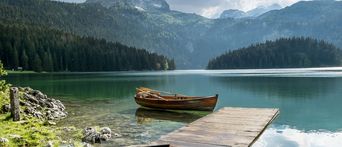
(310, 101)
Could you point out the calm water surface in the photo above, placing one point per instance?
(310, 101)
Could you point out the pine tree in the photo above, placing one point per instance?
(24, 60)
(15, 59)
(43, 49)
(47, 62)
(37, 63)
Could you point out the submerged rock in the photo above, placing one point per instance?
(105, 133)
(92, 136)
(87, 145)
(49, 144)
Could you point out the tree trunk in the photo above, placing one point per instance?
(15, 108)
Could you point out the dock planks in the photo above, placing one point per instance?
(228, 126)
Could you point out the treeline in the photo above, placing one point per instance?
(282, 53)
(43, 49)
(126, 25)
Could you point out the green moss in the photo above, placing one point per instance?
(29, 132)
(19, 72)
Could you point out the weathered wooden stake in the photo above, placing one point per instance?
(15, 108)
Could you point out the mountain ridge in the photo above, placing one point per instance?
(234, 13)
(151, 5)
(188, 38)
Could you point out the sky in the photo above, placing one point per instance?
(213, 8)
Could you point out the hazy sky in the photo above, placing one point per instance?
(213, 8)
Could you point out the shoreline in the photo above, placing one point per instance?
(32, 121)
(331, 68)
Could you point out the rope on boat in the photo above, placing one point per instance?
(154, 95)
(151, 90)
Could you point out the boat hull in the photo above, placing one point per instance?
(205, 104)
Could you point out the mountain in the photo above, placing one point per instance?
(188, 38)
(142, 5)
(232, 13)
(314, 19)
(263, 9)
(282, 53)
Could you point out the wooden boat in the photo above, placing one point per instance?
(154, 99)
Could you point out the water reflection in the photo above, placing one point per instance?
(146, 115)
(86, 86)
(305, 103)
(285, 136)
(283, 87)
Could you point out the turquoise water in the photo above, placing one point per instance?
(309, 100)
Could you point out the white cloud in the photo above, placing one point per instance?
(213, 8)
(210, 12)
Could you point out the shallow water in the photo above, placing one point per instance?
(309, 101)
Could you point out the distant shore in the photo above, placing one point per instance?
(17, 71)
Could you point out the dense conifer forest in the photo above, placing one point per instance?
(188, 38)
(282, 53)
(44, 49)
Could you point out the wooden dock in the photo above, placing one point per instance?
(226, 127)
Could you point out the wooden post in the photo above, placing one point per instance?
(15, 108)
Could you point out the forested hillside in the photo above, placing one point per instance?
(44, 49)
(188, 38)
(282, 53)
(162, 33)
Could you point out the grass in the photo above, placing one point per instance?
(30, 132)
(19, 72)
(4, 96)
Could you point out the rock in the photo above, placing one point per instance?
(37, 104)
(105, 130)
(29, 110)
(15, 136)
(105, 133)
(5, 108)
(3, 141)
(51, 123)
(37, 114)
(91, 136)
(117, 135)
(22, 122)
(68, 129)
(23, 103)
(49, 144)
(38, 94)
(87, 145)
(27, 89)
(31, 98)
